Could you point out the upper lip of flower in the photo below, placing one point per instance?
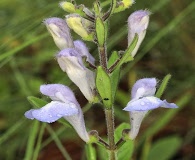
(143, 98)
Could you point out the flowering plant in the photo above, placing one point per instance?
(97, 81)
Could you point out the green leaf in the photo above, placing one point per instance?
(119, 130)
(103, 85)
(90, 152)
(102, 153)
(97, 8)
(124, 4)
(126, 150)
(31, 140)
(165, 148)
(163, 85)
(36, 102)
(113, 58)
(100, 31)
(127, 55)
(115, 76)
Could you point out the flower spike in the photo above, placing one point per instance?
(143, 100)
(63, 105)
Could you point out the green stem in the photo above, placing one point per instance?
(109, 113)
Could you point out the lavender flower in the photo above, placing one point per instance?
(84, 52)
(137, 24)
(143, 99)
(63, 104)
(70, 61)
(60, 32)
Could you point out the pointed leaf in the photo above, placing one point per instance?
(163, 85)
(126, 150)
(115, 76)
(165, 148)
(113, 58)
(103, 85)
(36, 102)
(127, 55)
(119, 130)
(100, 31)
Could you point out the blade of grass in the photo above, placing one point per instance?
(58, 143)
(15, 50)
(39, 140)
(11, 131)
(31, 140)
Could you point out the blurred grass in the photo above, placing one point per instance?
(27, 61)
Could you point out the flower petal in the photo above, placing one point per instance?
(136, 118)
(143, 104)
(144, 87)
(165, 104)
(137, 23)
(58, 92)
(78, 123)
(60, 32)
(52, 111)
(72, 64)
(83, 50)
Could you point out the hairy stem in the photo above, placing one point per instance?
(103, 57)
(109, 113)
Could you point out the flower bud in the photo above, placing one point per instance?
(67, 6)
(70, 61)
(137, 24)
(80, 26)
(122, 5)
(60, 32)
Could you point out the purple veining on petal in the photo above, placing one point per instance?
(53, 111)
(144, 87)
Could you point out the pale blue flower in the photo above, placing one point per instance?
(63, 105)
(60, 32)
(70, 61)
(137, 24)
(143, 99)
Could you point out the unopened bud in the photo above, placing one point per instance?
(137, 24)
(67, 6)
(80, 26)
(60, 32)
